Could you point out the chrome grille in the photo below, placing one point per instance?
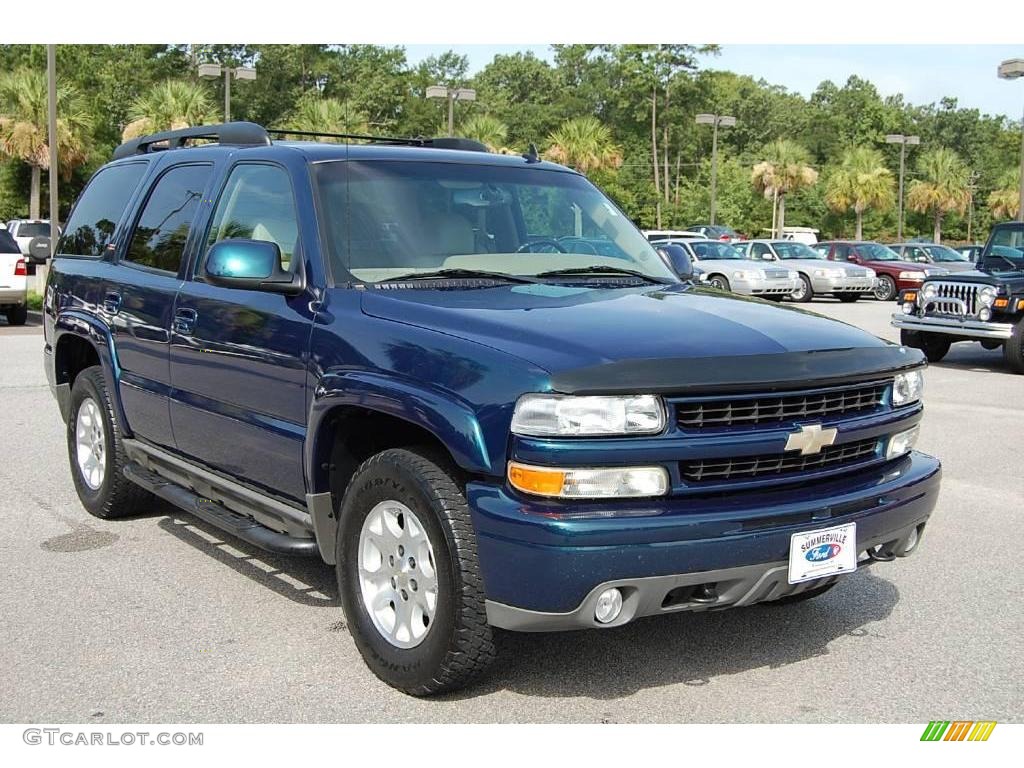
(778, 464)
(797, 406)
(952, 298)
(776, 274)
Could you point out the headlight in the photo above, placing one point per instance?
(907, 387)
(748, 274)
(930, 291)
(603, 483)
(543, 415)
(911, 275)
(902, 442)
(987, 295)
(829, 272)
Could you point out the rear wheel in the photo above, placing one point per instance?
(804, 292)
(719, 281)
(96, 452)
(885, 288)
(1013, 349)
(848, 298)
(408, 574)
(17, 315)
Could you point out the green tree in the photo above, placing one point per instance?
(1004, 201)
(860, 182)
(487, 130)
(784, 169)
(944, 188)
(585, 144)
(314, 113)
(169, 105)
(23, 127)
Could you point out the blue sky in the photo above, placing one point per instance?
(922, 73)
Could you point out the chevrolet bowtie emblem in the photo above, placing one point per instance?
(810, 438)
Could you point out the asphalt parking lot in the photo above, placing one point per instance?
(159, 618)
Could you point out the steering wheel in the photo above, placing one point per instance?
(528, 247)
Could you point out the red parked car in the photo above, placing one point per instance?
(893, 273)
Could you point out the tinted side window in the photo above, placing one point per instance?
(759, 250)
(257, 204)
(842, 252)
(162, 230)
(91, 226)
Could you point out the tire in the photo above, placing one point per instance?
(800, 597)
(848, 298)
(17, 315)
(456, 646)
(885, 288)
(934, 345)
(805, 292)
(721, 282)
(105, 493)
(1013, 349)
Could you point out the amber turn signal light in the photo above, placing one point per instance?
(544, 482)
(1001, 303)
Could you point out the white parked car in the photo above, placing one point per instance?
(817, 274)
(24, 231)
(13, 280)
(670, 234)
(726, 267)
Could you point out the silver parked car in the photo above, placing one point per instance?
(817, 275)
(728, 268)
(931, 253)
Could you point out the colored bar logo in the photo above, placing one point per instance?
(958, 730)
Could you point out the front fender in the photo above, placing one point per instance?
(452, 421)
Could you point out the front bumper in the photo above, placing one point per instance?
(968, 328)
(843, 284)
(764, 286)
(543, 572)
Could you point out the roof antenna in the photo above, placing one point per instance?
(531, 155)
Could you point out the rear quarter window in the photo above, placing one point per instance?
(99, 209)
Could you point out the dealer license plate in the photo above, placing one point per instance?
(816, 554)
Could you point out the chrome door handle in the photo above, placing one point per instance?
(112, 303)
(185, 321)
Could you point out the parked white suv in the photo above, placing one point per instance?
(24, 231)
(13, 280)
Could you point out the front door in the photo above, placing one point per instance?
(238, 357)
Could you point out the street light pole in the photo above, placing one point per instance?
(1011, 69)
(714, 121)
(51, 140)
(213, 71)
(903, 141)
(452, 95)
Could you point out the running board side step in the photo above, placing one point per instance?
(214, 513)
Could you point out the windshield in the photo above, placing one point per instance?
(716, 250)
(876, 252)
(791, 250)
(388, 219)
(940, 253)
(1007, 242)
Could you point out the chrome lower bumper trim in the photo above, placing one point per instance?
(973, 329)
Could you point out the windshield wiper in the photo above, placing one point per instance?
(459, 274)
(601, 270)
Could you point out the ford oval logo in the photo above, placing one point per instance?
(823, 552)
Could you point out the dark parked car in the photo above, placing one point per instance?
(470, 383)
(930, 253)
(893, 274)
(986, 305)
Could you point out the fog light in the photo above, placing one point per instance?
(912, 540)
(902, 442)
(908, 308)
(985, 315)
(609, 606)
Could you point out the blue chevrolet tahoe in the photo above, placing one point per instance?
(468, 382)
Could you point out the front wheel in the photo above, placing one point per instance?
(885, 288)
(1013, 349)
(804, 291)
(934, 345)
(719, 281)
(408, 574)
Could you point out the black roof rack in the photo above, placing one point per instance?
(440, 142)
(240, 134)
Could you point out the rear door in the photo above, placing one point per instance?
(140, 307)
(239, 357)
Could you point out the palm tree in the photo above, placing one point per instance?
(584, 143)
(487, 130)
(23, 127)
(1005, 198)
(860, 182)
(315, 113)
(170, 105)
(786, 168)
(945, 187)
